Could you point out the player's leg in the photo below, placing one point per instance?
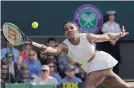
(114, 81)
(95, 78)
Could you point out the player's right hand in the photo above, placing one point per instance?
(43, 48)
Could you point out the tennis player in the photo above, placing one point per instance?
(98, 64)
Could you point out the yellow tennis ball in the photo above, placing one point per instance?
(35, 25)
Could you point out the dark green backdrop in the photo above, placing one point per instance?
(52, 15)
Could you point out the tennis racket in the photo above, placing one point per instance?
(15, 36)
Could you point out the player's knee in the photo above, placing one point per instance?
(128, 86)
(88, 86)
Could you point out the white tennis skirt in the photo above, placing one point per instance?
(101, 61)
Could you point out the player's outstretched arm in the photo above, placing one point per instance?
(62, 48)
(106, 36)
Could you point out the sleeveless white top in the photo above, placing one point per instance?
(82, 52)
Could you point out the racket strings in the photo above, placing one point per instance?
(12, 35)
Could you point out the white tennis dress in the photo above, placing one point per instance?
(82, 52)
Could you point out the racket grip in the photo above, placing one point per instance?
(36, 44)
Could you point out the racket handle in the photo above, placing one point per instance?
(36, 44)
